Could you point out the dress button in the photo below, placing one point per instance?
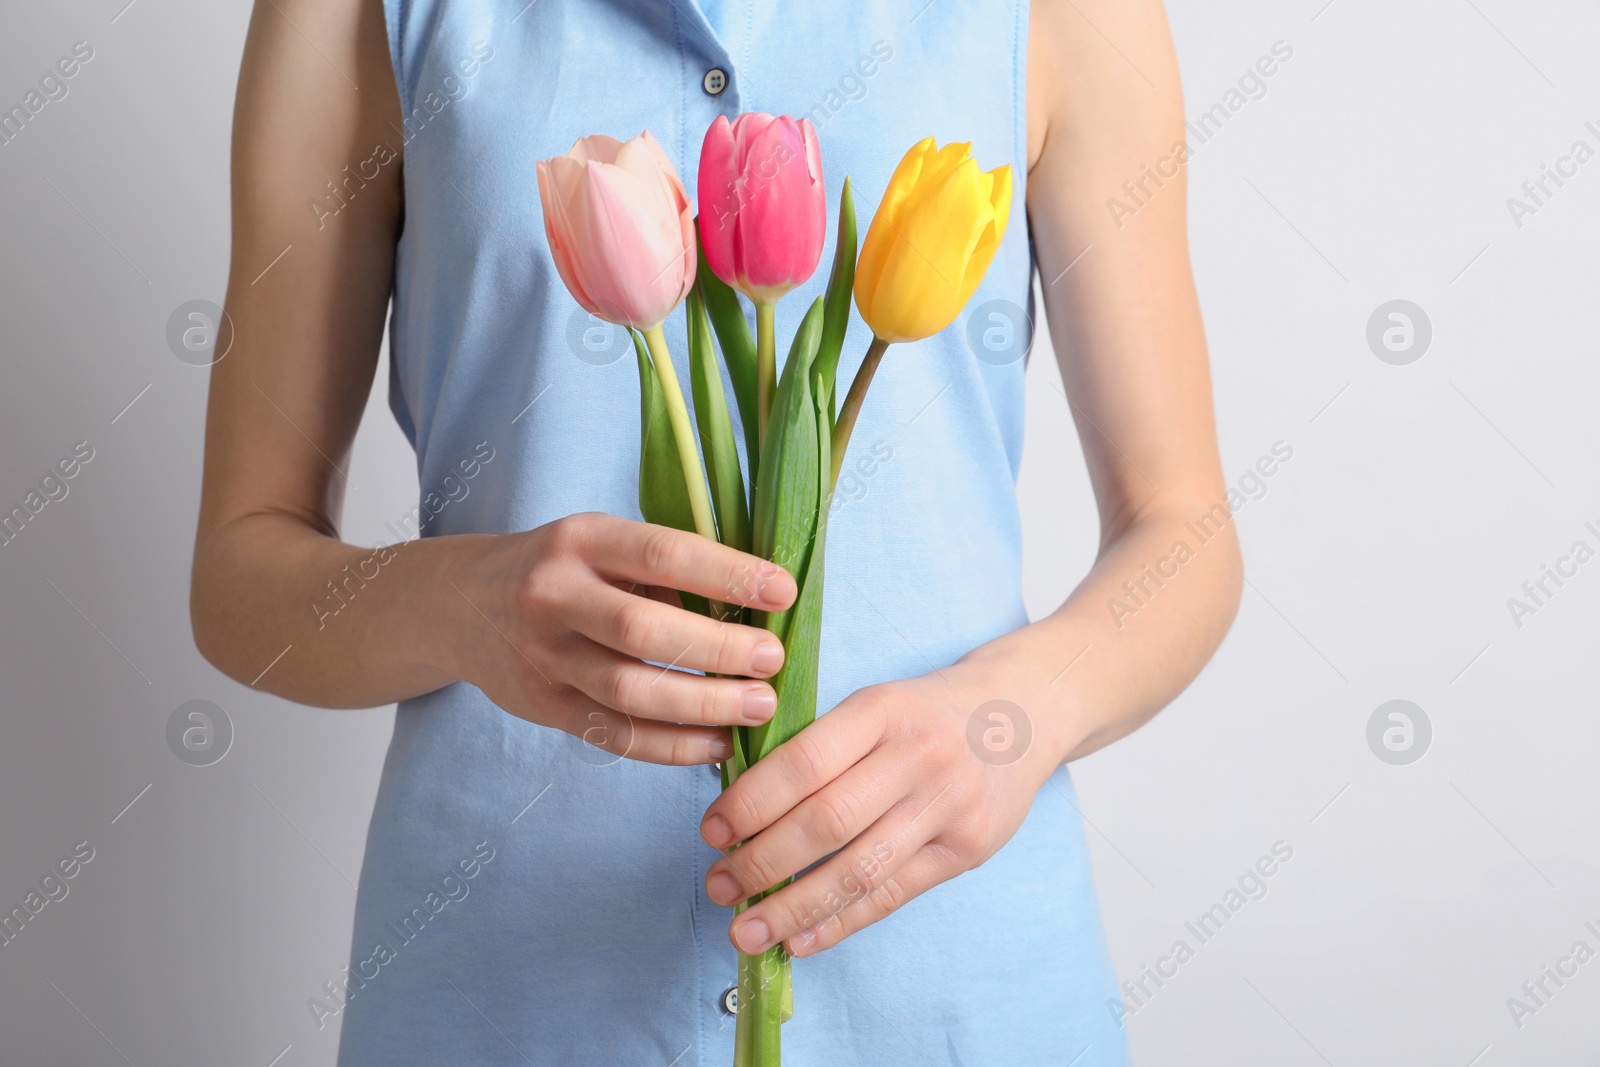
(716, 770)
(715, 81)
(730, 1000)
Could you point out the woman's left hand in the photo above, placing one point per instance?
(904, 785)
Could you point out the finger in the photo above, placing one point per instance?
(854, 874)
(627, 737)
(660, 555)
(791, 772)
(647, 691)
(645, 629)
(930, 866)
(819, 826)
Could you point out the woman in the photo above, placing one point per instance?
(528, 896)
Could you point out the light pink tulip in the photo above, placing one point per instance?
(763, 212)
(621, 228)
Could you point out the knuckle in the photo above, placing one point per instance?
(887, 897)
(938, 748)
(794, 916)
(715, 702)
(807, 763)
(623, 687)
(660, 552)
(755, 869)
(949, 854)
(831, 818)
(634, 627)
(732, 649)
(682, 749)
(748, 811)
(567, 534)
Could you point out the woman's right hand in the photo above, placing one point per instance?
(561, 621)
(555, 624)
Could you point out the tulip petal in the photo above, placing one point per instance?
(920, 282)
(881, 235)
(989, 240)
(718, 168)
(554, 193)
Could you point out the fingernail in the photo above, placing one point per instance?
(722, 889)
(758, 704)
(801, 943)
(751, 936)
(721, 749)
(717, 832)
(767, 659)
(768, 569)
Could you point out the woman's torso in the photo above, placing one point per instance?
(582, 934)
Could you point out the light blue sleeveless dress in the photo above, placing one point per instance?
(526, 899)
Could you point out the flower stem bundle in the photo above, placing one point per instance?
(624, 239)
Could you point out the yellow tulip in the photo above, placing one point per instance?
(931, 241)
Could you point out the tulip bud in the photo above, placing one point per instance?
(621, 229)
(763, 212)
(930, 243)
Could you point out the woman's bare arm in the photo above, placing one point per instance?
(545, 622)
(1106, 108)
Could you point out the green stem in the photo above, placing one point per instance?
(852, 404)
(766, 364)
(683, 433)
(763, 982)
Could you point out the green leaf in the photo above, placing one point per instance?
(783, 519)
(836, 303)
(738, 350)
(789, 496)
(796, 683)
(663, 494)
(716, 432)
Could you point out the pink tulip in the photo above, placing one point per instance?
(621, 228)
(763, 213)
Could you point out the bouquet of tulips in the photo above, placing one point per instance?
(623, 235)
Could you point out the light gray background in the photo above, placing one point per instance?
(1419, 498)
